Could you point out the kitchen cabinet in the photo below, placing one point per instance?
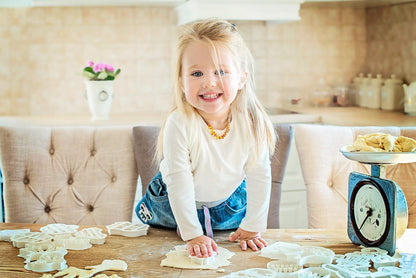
(293, 209)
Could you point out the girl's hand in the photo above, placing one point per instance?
(251, 239)
(201, 246)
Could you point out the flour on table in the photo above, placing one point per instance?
(253, 273)
(179, 258)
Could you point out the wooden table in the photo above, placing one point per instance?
(144, 254)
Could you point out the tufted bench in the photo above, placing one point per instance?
(88, 175)
(73, 175)
(326, 171)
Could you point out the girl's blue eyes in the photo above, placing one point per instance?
(199, 74)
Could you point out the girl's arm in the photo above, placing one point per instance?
(176, 173)
(258, 179)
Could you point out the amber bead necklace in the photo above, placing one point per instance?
(219, 137)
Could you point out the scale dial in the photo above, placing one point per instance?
(370, 213)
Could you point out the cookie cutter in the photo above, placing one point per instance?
(393, 271)
(72, 242)
(287, 252)
(349, 272)
(46, 261)
(408, 261)
(356, 259)
(58, 229)
(315, 272)
(181, 250)
(5, 235)
(31, 248)
(127, 229)
(95, 235)
(252, 272)
(203, 261)
(283, 269)
(19, 240)
(314, 256)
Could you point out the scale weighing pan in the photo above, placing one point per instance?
(379, 157)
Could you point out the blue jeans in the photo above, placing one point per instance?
(154, 208)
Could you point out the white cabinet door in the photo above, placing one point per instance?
(293, 210)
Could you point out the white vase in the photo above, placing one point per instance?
(100, 98)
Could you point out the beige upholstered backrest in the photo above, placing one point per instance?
(72, 175)
(145, 138)
(325, 171)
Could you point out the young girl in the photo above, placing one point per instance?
(214, 147)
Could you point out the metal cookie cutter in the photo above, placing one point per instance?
(127, 229)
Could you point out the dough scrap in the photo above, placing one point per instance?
(74, 272)
(109, 265)
(179, 258)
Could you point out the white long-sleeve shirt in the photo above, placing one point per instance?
(198, 167)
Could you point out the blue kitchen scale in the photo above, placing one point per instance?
(377, 207)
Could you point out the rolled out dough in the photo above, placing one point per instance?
(179, 258)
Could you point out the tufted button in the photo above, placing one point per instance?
(90, 208)
(47, 209)
(330, 183)
(26, 180)
(51, 151)
(114, 179)
(93, 152)
(70, 180)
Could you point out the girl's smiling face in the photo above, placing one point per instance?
(210, 85)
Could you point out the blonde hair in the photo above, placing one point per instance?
(246, 104)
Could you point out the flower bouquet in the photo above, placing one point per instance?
(100, 71)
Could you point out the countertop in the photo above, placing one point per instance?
(144, 254)
(354, 116)
(343, 116)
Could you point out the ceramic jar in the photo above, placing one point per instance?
(365, 87)
(357, 92)
(392, 94)
(374, 92)
(410, 99)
